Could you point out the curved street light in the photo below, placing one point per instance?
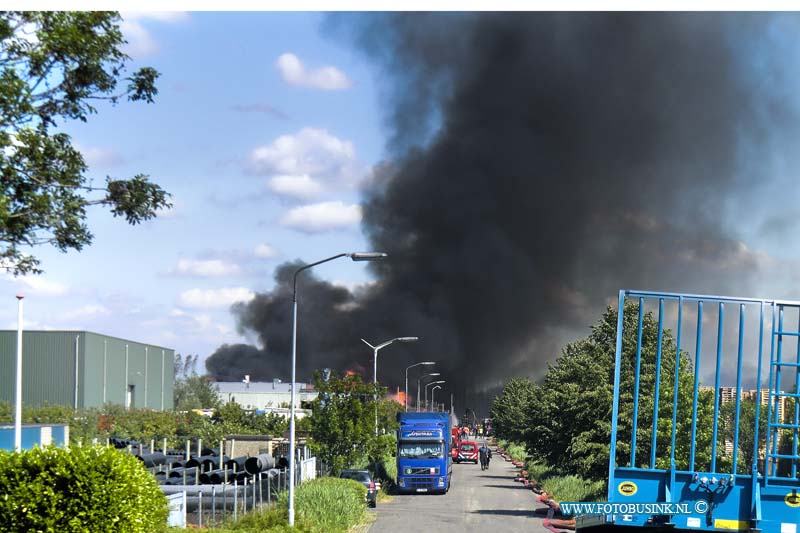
(419, 380)
(426, 389)
(405, 394)
(433, 389)
(375, 368)
(355, 256)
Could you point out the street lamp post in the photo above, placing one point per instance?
(375, 368)
(18, 390)
(405, 395)
(357, 256)
(433, 389)
(419, 380)
(426, 390)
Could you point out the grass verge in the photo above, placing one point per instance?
(324, 505)
(565, 488)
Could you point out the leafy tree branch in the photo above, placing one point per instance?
(53, 67)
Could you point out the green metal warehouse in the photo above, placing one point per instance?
(85, 369)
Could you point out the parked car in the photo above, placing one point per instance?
(365, 478)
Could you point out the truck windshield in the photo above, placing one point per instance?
(419, 450)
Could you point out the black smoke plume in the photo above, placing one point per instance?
(538, 163)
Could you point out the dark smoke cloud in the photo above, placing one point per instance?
(539, 163)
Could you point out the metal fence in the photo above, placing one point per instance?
(213, 504)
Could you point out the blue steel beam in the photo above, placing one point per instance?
(675, 388)
(738, 390)
(696, 383)
(716, 388)
(654, 438)
(755, 503)
(636, 382)
(612, 451)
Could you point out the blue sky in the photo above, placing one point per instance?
(262, 130)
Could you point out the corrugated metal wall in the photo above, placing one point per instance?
(48, 367)
(107, 368)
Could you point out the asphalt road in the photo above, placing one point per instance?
(480, 501)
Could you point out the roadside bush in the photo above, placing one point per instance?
(388, 465)
(574, 489)
(515, 451)
(272, 520)
(94, 488)
(538, 471)
(329, 504)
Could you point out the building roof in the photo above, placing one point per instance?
(263, 387)
(79, 331)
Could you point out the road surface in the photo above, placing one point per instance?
(480, 501)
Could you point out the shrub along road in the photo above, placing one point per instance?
(477, 501)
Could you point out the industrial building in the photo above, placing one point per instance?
(271, 396)
(84, 369)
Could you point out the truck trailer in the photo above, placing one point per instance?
(423, 452)
(748, 350)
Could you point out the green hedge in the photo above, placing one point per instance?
(324, 505)
(572, 488)
(516, 451)
(270, 520)
(565, 488)
(329, 504)
(63, 490)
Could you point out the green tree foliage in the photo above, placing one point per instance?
(55, 66)
(78, 489)
(510, 409)
(342, 421)
(192, 391)
(747, 427)
(387, 415)
(196, 392)
(144, 425)
(569, 418)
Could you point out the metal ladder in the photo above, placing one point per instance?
(791, 421)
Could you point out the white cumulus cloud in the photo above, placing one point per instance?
(305, 164)
(161, 16)
(265, 251)
(303, 186)
(214, 298)
(327, 78)
(324, 216)
(140, 42)
(85, 311)
(41, 286)
(208, 268)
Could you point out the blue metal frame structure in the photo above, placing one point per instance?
(754, 501)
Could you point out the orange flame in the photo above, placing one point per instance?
(400, 397)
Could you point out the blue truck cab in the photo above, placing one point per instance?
(423, 452)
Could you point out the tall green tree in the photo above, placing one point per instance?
(569, 420)
(510, 409)
(191, 390)
(196, 392)
(342, 421)
(54, 67)
(747, 428)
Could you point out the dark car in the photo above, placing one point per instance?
(365, 478)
